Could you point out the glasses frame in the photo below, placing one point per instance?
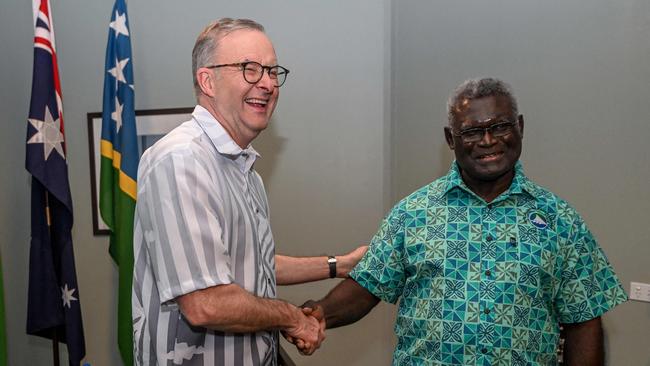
(463, 133)
(242, 67)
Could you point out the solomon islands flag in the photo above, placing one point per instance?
(119, 167)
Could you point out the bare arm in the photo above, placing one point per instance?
(584, 343)
(293, 270)
(345, 304)
(230, 308)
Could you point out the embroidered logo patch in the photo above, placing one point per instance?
(538, 219)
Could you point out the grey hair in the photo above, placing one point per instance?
(478, 88)
(207, 42)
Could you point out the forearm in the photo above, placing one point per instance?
(229, 308)
(293, 270)
(347, 303)
(584, 343)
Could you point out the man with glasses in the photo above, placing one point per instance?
(205, 271)
(486, 265)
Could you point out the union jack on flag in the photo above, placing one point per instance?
(53, 309)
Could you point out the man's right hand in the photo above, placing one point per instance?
(309, 331)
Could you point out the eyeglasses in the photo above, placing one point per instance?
(254, 71)
(475, 134)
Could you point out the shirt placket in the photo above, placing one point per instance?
(487, 287)
(264, 290)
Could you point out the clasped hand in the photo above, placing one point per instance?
(308, 335)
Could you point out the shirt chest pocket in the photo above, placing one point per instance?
(533, 268)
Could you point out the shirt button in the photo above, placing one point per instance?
(486, 311)
(489, 238)
(488, 273)
(484, 350)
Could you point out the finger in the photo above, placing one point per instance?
(300, 344)
(286, 336)
(307, 350)
(311, 350)
(318, 312)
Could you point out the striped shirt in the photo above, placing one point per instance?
(201, 220)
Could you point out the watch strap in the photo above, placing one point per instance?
(331, 261)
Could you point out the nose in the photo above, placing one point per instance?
(487, 139)
(266, 82)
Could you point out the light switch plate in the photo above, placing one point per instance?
(640, 291)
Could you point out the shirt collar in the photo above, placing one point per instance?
(225, 145)
(520, 182)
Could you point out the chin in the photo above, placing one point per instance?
(492, 174)
(257, 124)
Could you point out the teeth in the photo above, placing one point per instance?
(256, 101)
(488, 155)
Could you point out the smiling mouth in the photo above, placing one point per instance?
(256, 102)
(490, 156)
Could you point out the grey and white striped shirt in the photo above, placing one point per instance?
(201, 220)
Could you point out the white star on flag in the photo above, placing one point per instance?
(119, 24)
(67, 295)
(118, 70)
(116, 115)
(48, 133)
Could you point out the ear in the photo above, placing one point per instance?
(449, 137)
(520, 121)
(205, 79)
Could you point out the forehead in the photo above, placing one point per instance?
(246, 44)
(471, 111)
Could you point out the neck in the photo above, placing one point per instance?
(236, 134)
(489, 189)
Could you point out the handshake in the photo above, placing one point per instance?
(309, 331)
(345, 304)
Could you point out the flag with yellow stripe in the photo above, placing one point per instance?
(119, 166)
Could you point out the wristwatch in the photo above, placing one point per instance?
(331, 261)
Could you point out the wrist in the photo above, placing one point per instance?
(295, 317)
(332, 264)
(343, 266)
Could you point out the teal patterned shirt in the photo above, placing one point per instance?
(486, 283)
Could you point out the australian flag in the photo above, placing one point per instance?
(53, 309)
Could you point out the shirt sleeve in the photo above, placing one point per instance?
(181, 225)
(589, 286)
(381, 270)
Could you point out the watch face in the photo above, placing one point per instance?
(331, 260)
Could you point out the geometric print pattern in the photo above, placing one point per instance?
(486, 283)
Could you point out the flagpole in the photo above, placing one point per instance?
(55, 333)
(55, 348)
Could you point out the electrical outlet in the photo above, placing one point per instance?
(640, 291)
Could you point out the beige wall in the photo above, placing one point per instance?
(358, 126)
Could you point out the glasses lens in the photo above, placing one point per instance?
(472, 135)
(278, 74)
(252, 72)
(501, 129)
